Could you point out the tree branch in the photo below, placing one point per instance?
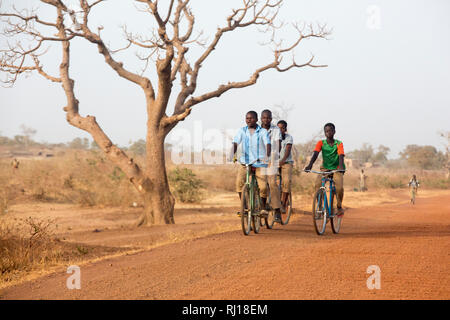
(143, 82)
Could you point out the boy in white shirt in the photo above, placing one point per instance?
(286, 162)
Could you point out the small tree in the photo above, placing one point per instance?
(28, 133)
(78, 143)
(171, 39)
(138, 147)
(423, 157)
(381, 155)
(364, 154)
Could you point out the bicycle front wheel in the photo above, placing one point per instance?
(245, 210)
(318, 212)
(336, 221)
(256, 218)
(287, 215)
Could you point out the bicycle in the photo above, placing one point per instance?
(322, 208)
(250, 202)
(269, 220)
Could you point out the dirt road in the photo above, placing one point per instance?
(410, 245)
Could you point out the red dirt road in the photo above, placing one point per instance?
(410, 244)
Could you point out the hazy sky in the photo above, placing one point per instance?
(387, 80)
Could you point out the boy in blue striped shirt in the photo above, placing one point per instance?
(255, 147)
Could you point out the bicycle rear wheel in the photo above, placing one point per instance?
(318, 212)
(245, 210)
(336, 221)
(269, 221)
(287, 215)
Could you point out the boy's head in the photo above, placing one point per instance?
(251, 118)
(266, 117)
(329, 130)
(282, 125)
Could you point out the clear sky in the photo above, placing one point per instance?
(387, 80)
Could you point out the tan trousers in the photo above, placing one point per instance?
(275, 202)
(260, 177)
(286, 177)
(338, 178)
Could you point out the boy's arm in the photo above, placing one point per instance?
(266, 141)
(236, 141)
(269, 149)
(341, 162)
(232, 154)
(313, 159)
(286, 154)
(317, 149)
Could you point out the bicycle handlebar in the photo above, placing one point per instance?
(251, 163)
(324, 172)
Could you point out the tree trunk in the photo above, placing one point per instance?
(158, 200)
(158, 207)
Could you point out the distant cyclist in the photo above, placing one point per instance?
(413, 186)
(333, 159)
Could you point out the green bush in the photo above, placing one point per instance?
(185, 185)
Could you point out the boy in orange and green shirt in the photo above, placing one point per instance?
(333, 159)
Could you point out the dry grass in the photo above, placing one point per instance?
(378, 179)
(84, 178)
(31, 244)
(25, 244)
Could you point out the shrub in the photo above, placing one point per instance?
(185, 185)
(24, 244)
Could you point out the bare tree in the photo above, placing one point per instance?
(172, 37)
(28, 133)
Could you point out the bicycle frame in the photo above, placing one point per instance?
(326, 178)
(327, 204)
(253, 184)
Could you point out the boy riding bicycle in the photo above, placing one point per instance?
(286, 162)
(333, 159)
(255, 147)
(272, 169)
